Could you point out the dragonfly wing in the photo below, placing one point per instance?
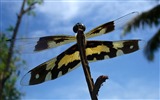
(70, 59)
(27, 45)
(54, 68)
(112, 25)
(99, 50)
(52, 41)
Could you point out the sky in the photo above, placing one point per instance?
(130, 76)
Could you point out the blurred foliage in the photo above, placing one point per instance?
(149, 18)
(9, 92)
(152, 46)
(31, 3)
(10, 29)
(10, 72)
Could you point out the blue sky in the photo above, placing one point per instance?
(130, 76)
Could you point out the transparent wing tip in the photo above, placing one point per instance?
(135, 12)
(25, 79)
(142, 44)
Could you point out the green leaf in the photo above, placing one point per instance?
(10, 92)
(10, 29)
(39, 1)
(29, 2)
(31, 13)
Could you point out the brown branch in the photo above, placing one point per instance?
(79, 29)
(93, 88)
(31, 6)
(98, 84)
(15, 31)
(3, 76)
(10, 53)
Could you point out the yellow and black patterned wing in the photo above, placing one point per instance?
(29, 45)
(56, 67)
(70, 59)
(112, 25)
(53, 41)
(100, 50)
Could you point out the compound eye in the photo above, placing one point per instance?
(79, 26)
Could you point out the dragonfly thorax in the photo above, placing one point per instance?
(79, 27)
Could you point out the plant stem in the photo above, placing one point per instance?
(84, 61)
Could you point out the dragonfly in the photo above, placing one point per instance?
(69, 59)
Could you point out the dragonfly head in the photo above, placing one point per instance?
(79, 27)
